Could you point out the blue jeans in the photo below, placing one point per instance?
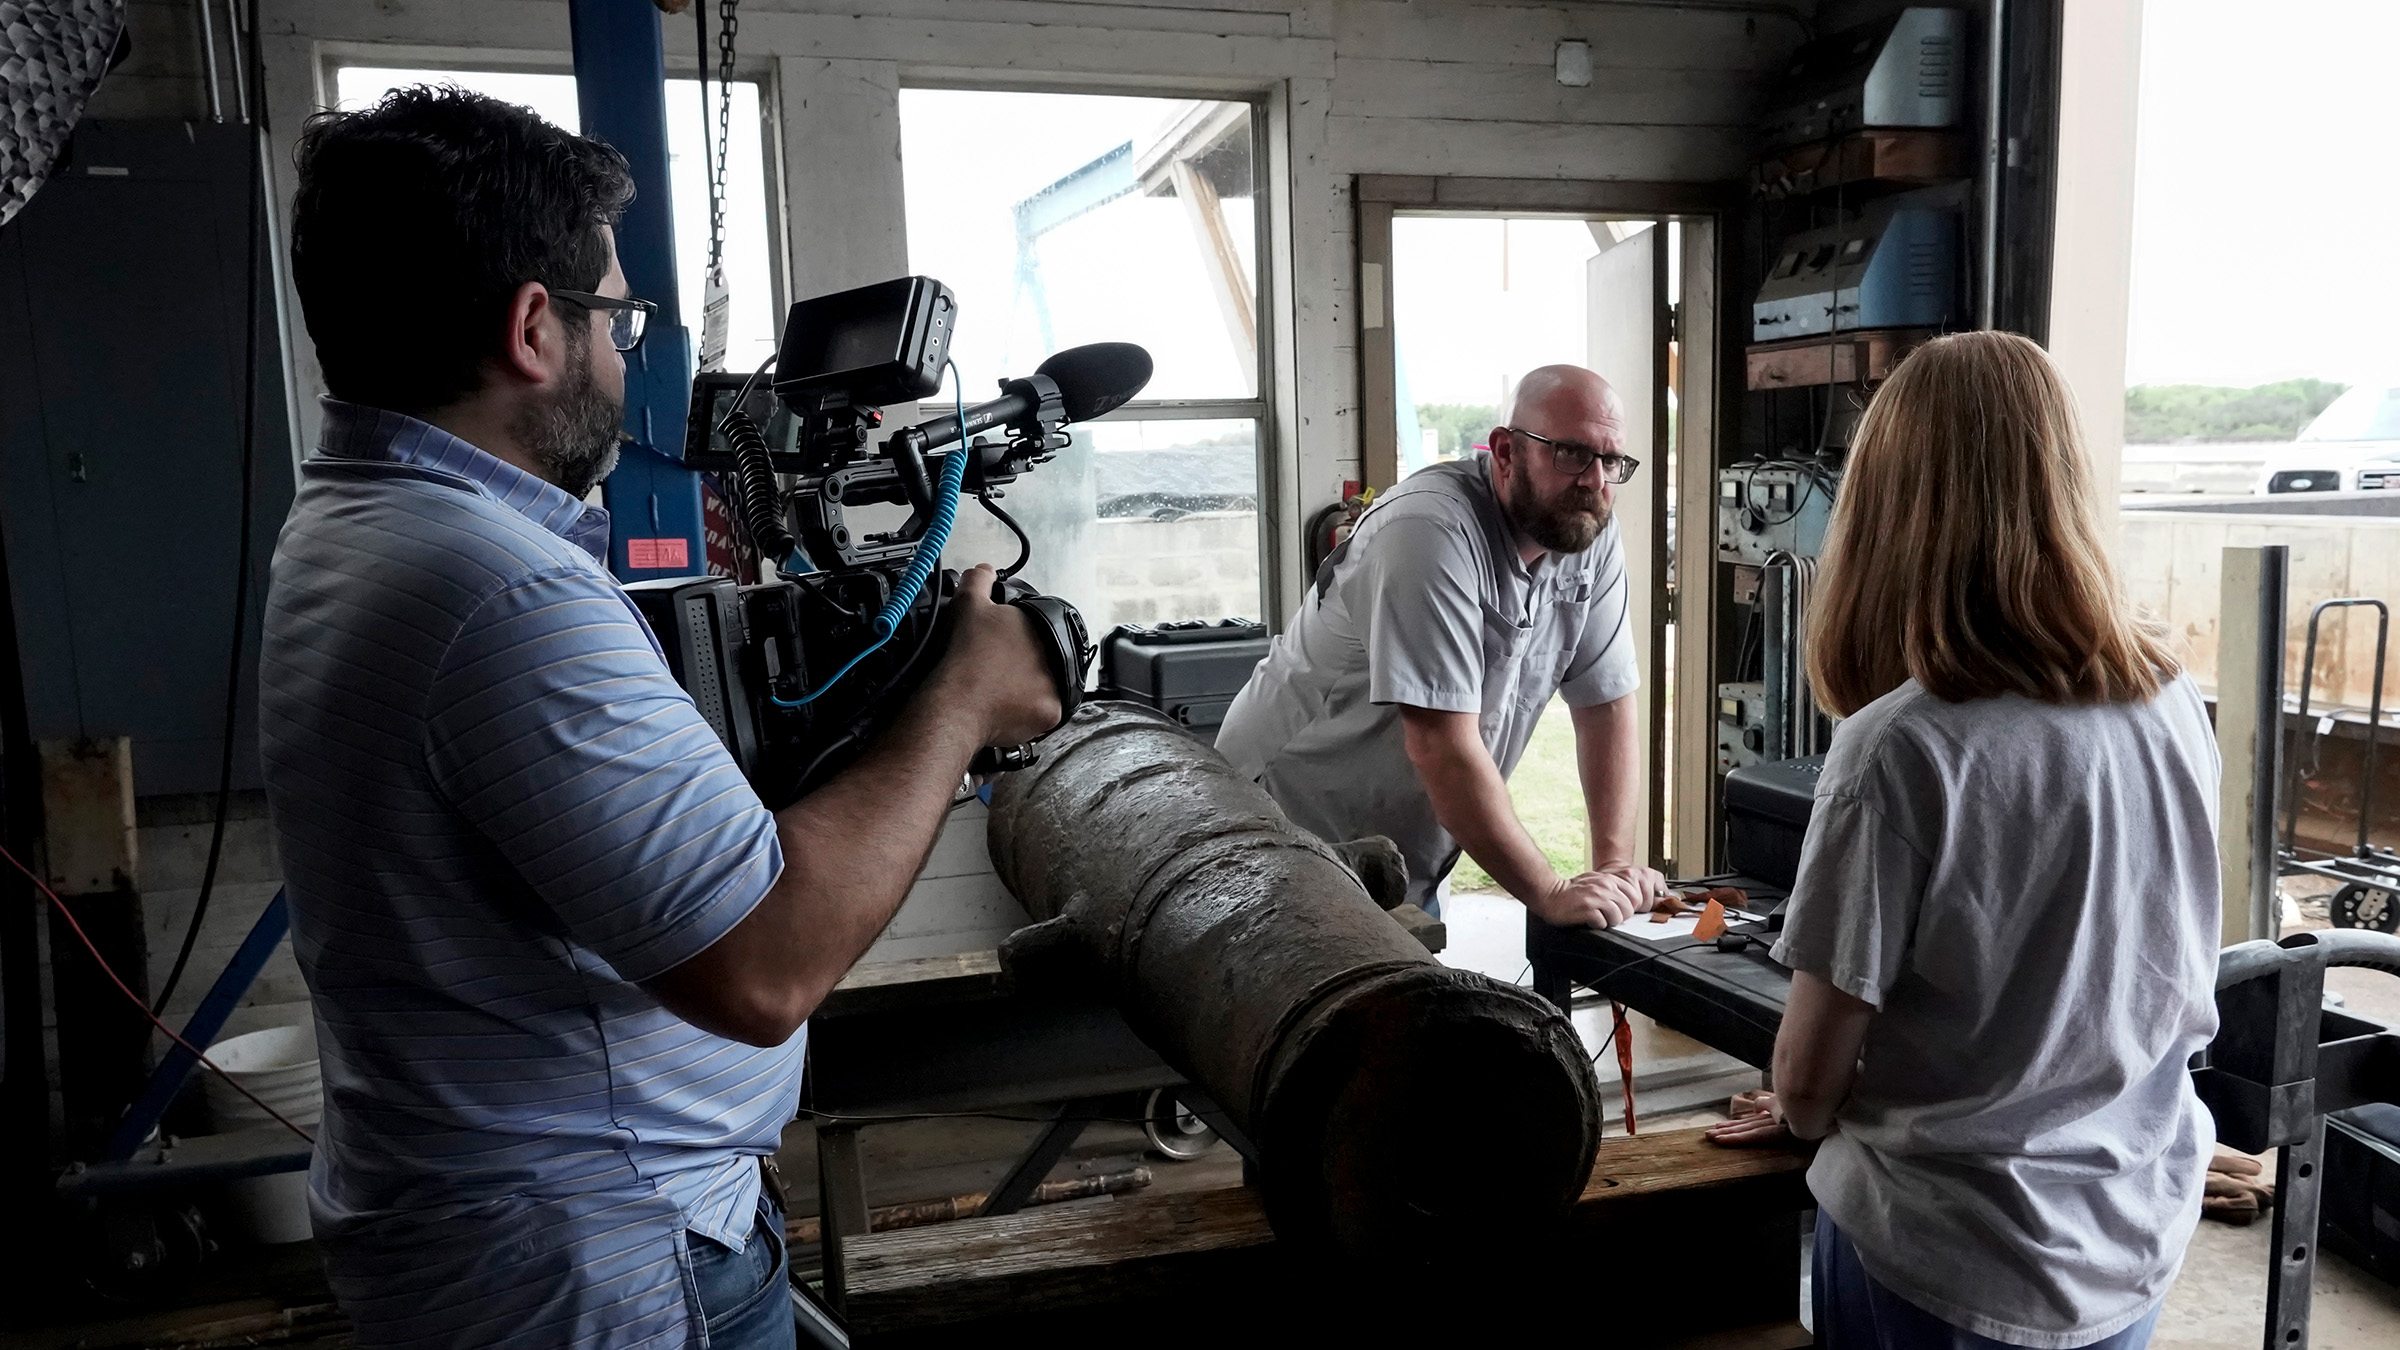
(1853, 1312)
(746, 1296)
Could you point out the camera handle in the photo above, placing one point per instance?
(1067, 649)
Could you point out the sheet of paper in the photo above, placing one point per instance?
(1644, 926)
(1675, 928)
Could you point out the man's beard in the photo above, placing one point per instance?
(574, 436)
(1567, 523)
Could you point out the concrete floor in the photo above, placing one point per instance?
(2220, 1301)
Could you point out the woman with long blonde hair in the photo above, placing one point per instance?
(2003, 935)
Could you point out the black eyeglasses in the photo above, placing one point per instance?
(1572, 458)
(626, 318)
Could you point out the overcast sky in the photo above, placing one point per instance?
(2267, 216)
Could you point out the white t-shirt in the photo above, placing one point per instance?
(2029, 895)
(1427, 605)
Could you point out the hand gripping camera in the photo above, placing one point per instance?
(798, 674)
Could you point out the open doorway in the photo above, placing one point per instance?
(1463, 301)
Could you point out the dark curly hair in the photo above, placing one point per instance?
(417, 220)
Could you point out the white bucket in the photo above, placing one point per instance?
(278, 1065)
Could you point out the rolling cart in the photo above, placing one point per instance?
(2369, 876)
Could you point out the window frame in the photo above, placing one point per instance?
(1260, 408)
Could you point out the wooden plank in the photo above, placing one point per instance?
(1867, 355)
(1148, 42)
(1697, 453)
(1252, 17)
(91, 859)
(1228, 274)
(920, 970)
(2246, 748)
(1595, 197)
(1214, 1245)
(873, 986)
(1894, 158)
(89, 840)
(842, 1194)
(1378, 357)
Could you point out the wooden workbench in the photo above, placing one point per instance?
(1675, 1242)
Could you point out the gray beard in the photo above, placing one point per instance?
(1567, 523)
(574, 436)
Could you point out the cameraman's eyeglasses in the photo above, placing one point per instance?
(626, 318)
(1572, 458)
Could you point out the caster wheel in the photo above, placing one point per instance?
(1173, 1130)
(2364, 905)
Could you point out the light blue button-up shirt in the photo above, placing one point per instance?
(498, 814)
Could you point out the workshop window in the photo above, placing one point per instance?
(754, 322)
(1061, 219)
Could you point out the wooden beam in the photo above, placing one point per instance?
(1214, 1251)
(1692, 778)
(1599, 197)
(2250, 641)
(1230, 279)
(87, 816)
(1866, 356)
(916, 982)
(1378, 369)
(90, 859)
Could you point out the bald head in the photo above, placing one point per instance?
(1558, 411)
(1563, 396)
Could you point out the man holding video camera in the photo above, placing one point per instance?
(561, 956)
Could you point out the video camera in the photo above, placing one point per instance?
(799, 672)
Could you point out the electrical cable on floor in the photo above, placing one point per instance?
(127, 990)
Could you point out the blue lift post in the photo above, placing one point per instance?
(621, 89)
(207, 1020)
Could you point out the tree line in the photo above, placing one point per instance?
(2183, 414)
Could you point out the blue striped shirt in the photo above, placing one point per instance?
(499, 813)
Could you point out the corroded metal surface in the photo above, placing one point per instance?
(1397, 1106)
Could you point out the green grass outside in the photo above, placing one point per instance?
(1549, 799)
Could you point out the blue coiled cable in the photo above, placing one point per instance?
(921, 566)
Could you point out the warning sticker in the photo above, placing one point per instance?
(658, 554)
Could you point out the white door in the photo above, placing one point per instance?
(1625, 315)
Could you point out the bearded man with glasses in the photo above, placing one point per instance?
(561, 956)
(1406, 687)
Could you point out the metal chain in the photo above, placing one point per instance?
(728, 24)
